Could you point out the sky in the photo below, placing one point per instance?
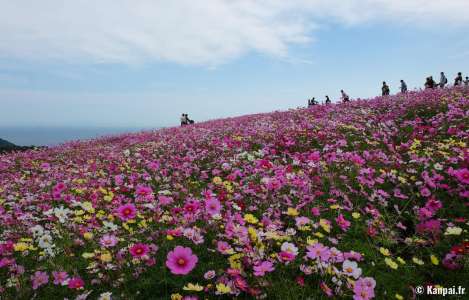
(141, 63)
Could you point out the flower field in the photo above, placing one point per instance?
(363, 200)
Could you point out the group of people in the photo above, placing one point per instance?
(430, 83)
(185, 120)
(385, 90)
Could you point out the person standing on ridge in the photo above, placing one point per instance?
(183, 120)
(403, 87)
(328, 101)
(443, 80)
(429, 83)
(345, 97)
(458, 79)
(385, 89)
(466, 82)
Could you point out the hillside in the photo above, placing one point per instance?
(367, 199)
(4, 143)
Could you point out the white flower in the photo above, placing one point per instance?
(105, 296)
(45, 241)
(351, 268)
(37, 230)
(289, 247)
(61, 213)
(110, 226)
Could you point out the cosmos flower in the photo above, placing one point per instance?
(181, 260)
(127, 212)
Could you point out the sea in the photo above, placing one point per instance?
(51, 136)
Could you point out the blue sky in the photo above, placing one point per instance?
(86, 64)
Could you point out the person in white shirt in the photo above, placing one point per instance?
(183, 119)
(443, 80)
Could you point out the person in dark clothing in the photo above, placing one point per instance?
(328, 101)
(312, 102)
(458, 79)
(385, 89)
(430, 83)
(466, 82)
(403, 87)
(345, 97)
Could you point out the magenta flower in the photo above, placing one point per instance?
(342, 222)
(181, 260)
(139, 250)
(263, 267)
(462, 175)
(318, 250)
(76, 283)
(39, 279)
(126, 212)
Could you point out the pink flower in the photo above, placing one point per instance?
(224, 247)
(364, 289)
(39, 279)
(425, 192)
(139, 250)
(342, 222)
(213, 206)
(76, 283)
(318, 250)
(286, 256)
(209, 274)
(108, 241)
(462, 175)
(127, 212)
(263, 267)
(60, 278)
(181, 261)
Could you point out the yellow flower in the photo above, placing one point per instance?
(384, 251)
(250, 219)
(88, 206)
(399, 297)
(400, 260)
(356, 215)
(325, 225)
(335, 206)
(223, 289)
(453, 231)
(417, 261)
(434, 260)
(169, 237)
(310, 241)
(217, 180)
(88, 235)
(252, 233)
(20, 247)
(193, 287)
(106, 257)
(319, 235)
(293, 212)
(176, 296)
(392, 264)
(87, 255)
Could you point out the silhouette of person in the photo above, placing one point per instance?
(443, 80)
(328, 101)
(183, 120)
(345, 97)
(429, 83)
(458, 79)
(466, 82)
(385, 89)
(403, 87)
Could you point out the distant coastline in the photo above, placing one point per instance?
(51, 136)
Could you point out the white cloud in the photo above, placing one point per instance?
(203, 32)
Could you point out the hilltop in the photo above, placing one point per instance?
(367, 199)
